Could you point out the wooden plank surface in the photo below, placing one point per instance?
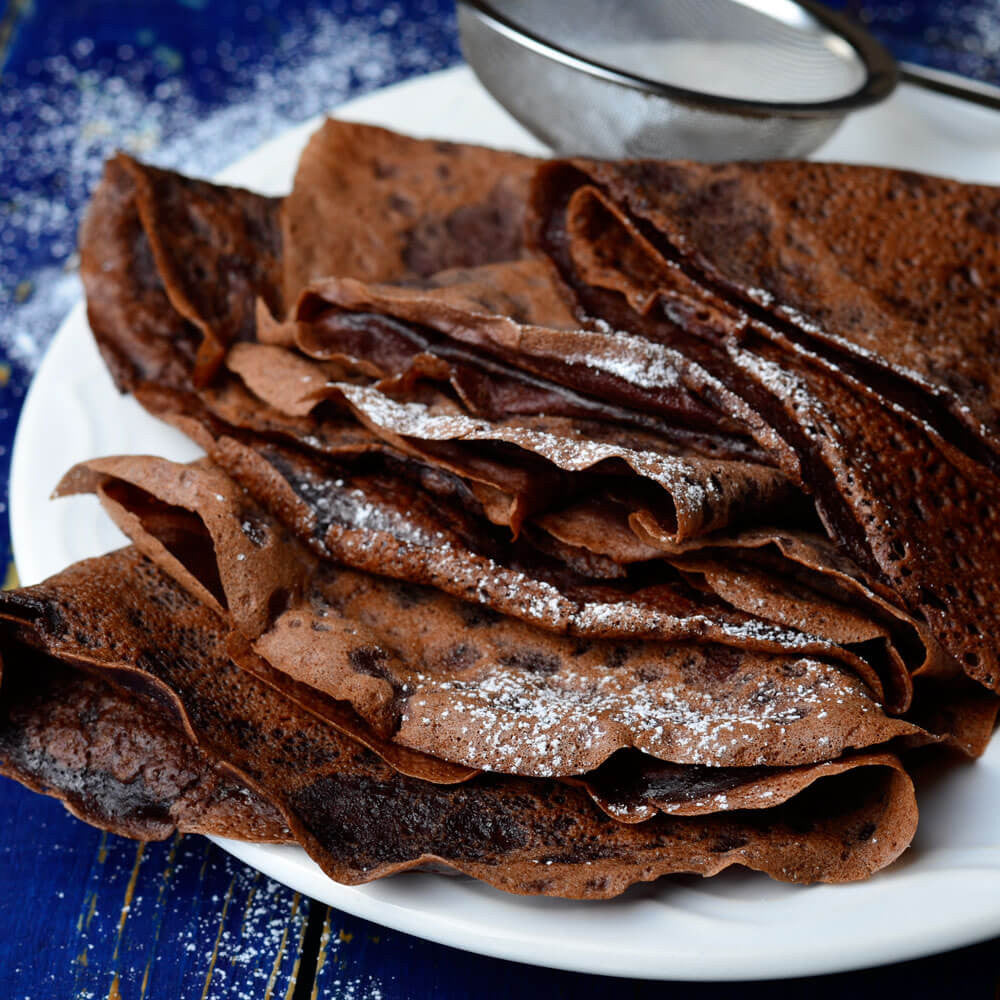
(91, 916)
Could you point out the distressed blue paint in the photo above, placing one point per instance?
(190, 59)
(51, 871)
(67, 934)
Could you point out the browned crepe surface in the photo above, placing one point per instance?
(460, 683)
(172, 268)
(703, 494)
(381, 524)
(857, 260)
(360, 820)
(114, 761)
(375, 205)
(850, 437)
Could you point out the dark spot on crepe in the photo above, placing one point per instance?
(727, 842)
(483, 232)
(984, 221)
(397, 203)
(460, 657)
(647, 673)
(617, 656)
(911, 180)
(405, 818)
(154, 662)
(711, 665)
(474, 615)
(866, 832)
(84, 640)
(369, 660)
(135, 618)
(532, 660)
(408, 595)
(765, 694)
(793, 668)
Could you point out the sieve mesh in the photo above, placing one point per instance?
(704, 79)
(768, 50)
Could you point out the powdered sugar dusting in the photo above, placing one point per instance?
(693, 483)
(520, 722)
(635, 360)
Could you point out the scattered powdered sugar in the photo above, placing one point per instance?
(693, 483)
(66, 113)
(636, 360)
(353, 509)
(355, 528)
(810, 411)
(517, 721)
(382, 536)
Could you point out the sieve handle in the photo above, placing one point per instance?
(949, 83)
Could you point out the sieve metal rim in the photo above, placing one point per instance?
(881, 71)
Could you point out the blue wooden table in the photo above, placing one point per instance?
(195, 83)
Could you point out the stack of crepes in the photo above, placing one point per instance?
(565, 524)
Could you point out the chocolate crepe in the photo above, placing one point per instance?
(847, 453)
(849, 261)
(380, 206)
(438, 675)
(493, 327)
(113, 761)
(758, 603)
(121, 619)
(703, 494)
(172, 268)
(377, 523)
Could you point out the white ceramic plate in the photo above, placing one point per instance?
(945, 892)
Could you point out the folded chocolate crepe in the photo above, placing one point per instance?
(121, 620)
(437, 675)
(112, 759)
(376, 629)
(389, 525)
(162, 309)
(509, 453)
(384, 207)
(886, 271)
(566, 524)
(850, 418)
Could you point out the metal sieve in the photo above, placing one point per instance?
(699, 79)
